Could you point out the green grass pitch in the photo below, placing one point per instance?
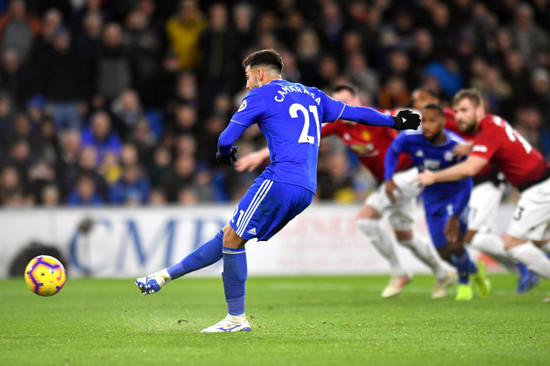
(296, 321)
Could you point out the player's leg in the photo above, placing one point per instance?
(455, 254)
(402, 220)
(263, 211)
(484, 203)
(368, 222)
(235, 272)
(531, 223)
(205, 255)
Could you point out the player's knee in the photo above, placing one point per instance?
(401, 223)
(368, 226)
(231, 239)
(404, 237)
(510, 241)
(368, 212)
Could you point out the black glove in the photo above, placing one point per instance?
(406, 120)
(226, 159)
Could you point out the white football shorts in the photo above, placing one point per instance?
(484, 203)
(531, 220)
(401, 213)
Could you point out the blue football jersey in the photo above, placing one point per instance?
(436, 157)
(290, 117)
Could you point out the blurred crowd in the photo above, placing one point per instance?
(108, 102)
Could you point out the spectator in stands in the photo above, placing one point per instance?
(127, 111)
(90, 7)
(156, 197)
(221, 63)
(12, 77)
(11, 187)
(113, 69)
(50, 196)
(183, 175)
(132, 188)
(85, 193)
(144, 47)
(6, 121)
(110, 169)
(185, 92)
(43, 43)
(87, 46)
(160, 170)
(59, 76)
(88, 166)
(18, 28)
(183, 31)
(144, 140)
(71, 144)
(242, 19)
(532, 41)
(129, 155)
(100, 135)
(20, 158)
(41, 174)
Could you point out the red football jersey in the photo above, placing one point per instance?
(451, 125)
(368, 143)
(498, 142)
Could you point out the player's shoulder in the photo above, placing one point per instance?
(454, 137)
(492, 125)
(412, 134)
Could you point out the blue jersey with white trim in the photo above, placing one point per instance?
(290, 116)
(436, 157)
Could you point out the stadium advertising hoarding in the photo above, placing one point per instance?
(127, 242)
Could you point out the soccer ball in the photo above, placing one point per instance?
(45, 275)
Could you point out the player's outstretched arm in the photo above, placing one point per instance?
(251, 161)
(404, 120)
(468, 168)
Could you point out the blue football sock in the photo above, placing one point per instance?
(234, 277)
(205, 255)
(464, 267)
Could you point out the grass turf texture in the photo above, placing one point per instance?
(295, 321)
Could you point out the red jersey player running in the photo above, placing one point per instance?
(370, 146)
(484, 200)
(524, 167)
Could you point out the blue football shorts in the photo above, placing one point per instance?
(437, 219)
(267, 207)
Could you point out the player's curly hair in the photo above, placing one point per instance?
(436, 107)
(474, 95)
(267, 57)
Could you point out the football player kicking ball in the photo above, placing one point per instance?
(370, 144)
(289, 115)
(445, 204)
(524, 167)
(484, 200)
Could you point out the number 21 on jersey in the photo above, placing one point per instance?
(304, 135)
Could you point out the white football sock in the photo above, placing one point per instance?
(493, 246)
(428, 255)
(236, 319)
(532, 257)
(383, 242)
(546, 248)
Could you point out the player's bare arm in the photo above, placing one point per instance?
(391, 188)
(462, 150)
(468, 168)
(251, 161)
